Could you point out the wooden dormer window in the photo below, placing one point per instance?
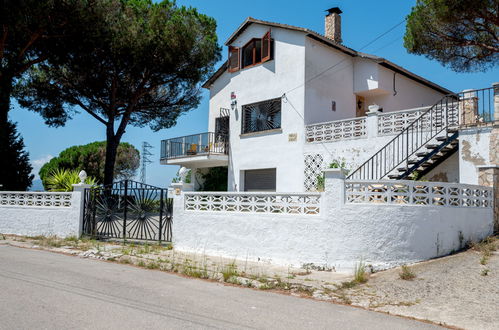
(256, 51)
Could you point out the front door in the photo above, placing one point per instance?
(360, 106)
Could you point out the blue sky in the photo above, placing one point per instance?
(362, 21)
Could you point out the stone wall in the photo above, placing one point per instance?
(489, 176)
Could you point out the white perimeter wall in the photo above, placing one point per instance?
(42, 220)
(383, 236)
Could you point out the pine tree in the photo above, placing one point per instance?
(15, 168)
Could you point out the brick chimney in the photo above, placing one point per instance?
(333, 24)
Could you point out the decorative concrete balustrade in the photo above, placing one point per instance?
(374, 124)
(337, 130)
(270, 203)
(35, 199)
(418, 193)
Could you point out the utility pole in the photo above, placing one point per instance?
(145, 160)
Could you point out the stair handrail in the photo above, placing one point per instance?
(413, 137)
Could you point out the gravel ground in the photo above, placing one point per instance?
(453, 290)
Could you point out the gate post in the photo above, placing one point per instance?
(125, 209)
(79, 190)
(161, 205)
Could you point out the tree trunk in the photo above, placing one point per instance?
(5, 92)
(111, 150)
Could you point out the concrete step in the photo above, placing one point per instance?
(422, 154)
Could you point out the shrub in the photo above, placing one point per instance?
(63, 180)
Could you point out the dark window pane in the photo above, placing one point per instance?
(261, 116)
(248, 54)
(258, 50)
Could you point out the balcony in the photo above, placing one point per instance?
(196, 151)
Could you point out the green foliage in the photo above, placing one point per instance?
(187, 178)
(360, 273)
(338, 163)
(145, 66)
(91, 158)
(15, 169)
(321, 182)
(63, 180)
(215, 179)
(462, 34)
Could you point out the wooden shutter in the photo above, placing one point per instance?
(266, 44)
(233, 59)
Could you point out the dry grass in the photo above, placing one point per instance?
(406, 273)
(360, 274)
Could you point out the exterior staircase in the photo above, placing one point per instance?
(423, 162)
(420, 147)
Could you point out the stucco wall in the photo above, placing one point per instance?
(447, 171)
(474, 150)
(262, 82)
(329, 77)
(47, 221)
(410, 94)
(381, 235)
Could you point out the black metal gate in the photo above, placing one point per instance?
(128, 210)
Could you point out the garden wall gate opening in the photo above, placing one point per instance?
(128, 210)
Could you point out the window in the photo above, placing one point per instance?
(256, 51)
(261, 116)
(260, 180)
(233, 59)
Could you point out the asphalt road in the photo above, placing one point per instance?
(43, 290)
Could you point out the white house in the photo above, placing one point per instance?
(289, 101)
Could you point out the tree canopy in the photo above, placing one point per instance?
(142, 67)
(462, 34)
(91, 158)
(31, 32)
(15, 169)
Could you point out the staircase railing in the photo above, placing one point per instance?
(435, 120)
(471, 107)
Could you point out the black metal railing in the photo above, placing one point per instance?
(477, 106)
(128, 210)
(194, 145)
(466, 108)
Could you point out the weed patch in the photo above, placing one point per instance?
(229, 271)
(360, 274)
(406, 273)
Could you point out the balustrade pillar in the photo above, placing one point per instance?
(372, 122)
(334, 187)
(469, 107)
(79, 191)
(496, 101)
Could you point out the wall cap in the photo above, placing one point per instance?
(337, 173)
(487, 166)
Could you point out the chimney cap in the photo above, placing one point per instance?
(334, 10)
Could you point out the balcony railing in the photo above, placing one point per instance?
(195, 145)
